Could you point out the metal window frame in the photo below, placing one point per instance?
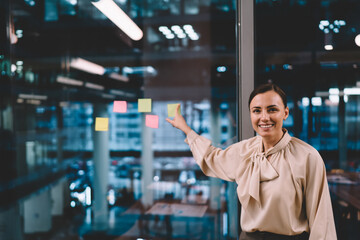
(245, 58)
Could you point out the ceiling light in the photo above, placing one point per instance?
(352, 91)
(334, 91)
(119, 18)
(334, 98)
(13, 67)
(221, 69)
(170, 36)
(305, 101)
(321, 94)
(110, 96)
(176, 28)
(118, 77)
(69, 81)
(188, 27)
(316, 101)
(117, 92)
(181, 35)
(33, 101)
(143, 70)
(87, 66)
(94, 86)
(329, 47)
(357, 40)
(324, 22)
(165, 30)
(32, 96)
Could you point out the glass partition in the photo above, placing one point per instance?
(311, 50)
(63, 66)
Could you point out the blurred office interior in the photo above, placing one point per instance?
(61, 179)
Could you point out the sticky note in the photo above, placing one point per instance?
(120, 106)
(144, 105)
(152, 121)
(101, 124)
(172, 108)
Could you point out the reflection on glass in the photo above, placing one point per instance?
(129, 180)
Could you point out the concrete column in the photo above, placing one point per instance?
(10, 224)
(147, 158)
(215, 132)
(37, 213)
(101, 171)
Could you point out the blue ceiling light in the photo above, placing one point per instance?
(180, 32)
(221, 69)
(31, 3)
(326, 26)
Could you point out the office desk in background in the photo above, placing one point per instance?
(346, 187)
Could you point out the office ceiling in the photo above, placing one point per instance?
(287, 34)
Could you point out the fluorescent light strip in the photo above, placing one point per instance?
(118, 77)
(352, 91)
(119, 18)
(33, 101)
(117, 92)
(110, 96)
(69, 81)
(94, 86)
(87, 66)
(32, 96)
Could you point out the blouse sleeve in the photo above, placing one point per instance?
(318, 202)
(214, 162)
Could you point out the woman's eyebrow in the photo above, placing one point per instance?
(270, 106)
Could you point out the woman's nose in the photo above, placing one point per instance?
(265, 116)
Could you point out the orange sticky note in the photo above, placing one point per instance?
(120, 106)
(144, 105)
(172, 108)
(101, 124)
(152, 121)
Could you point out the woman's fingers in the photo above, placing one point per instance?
(177, 110)
(170, 121)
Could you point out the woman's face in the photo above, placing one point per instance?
(267, 113)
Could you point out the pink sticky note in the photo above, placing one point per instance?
(152, 121)
(120, 106)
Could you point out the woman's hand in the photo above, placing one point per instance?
(179, 121)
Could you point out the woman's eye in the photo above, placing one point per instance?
(256, 111)
(272, 110)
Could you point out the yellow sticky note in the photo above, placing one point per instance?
(144, 105)
(172, 108)
(101, 124)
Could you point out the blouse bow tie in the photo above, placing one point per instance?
(260, 170)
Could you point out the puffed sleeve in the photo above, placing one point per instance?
(318, 202)
(214, 162)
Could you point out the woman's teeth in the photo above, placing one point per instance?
(266, 126)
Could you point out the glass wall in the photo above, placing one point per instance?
(311, 49)
(60, 178)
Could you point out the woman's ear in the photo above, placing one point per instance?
(286, 113)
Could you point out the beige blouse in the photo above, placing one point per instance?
(287, 194)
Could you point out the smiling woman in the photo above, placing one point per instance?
(285, 197)
(268, 110)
